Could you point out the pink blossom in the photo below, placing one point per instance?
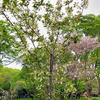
(85, 45)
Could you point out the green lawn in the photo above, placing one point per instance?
(26, 99)
(82, 98)
(85, 98)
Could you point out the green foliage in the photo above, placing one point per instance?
(8, 78)
(26, 99)
(8, 51)
(44, 63)
(4, 3)
(89, 25)
(6, 85)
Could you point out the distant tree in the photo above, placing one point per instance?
(82, 65)
(85, 66)
(90, 26)
(8, 78)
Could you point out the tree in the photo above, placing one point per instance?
(89, 25)
(8, 51)
(8, 79)
(83, 68)
(54, 20)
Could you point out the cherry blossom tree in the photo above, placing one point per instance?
(82, 66)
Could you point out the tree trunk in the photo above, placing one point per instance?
(72, 96)
(75, 96)
(89, 98)
(99, 88)
(34, 92)
(89, 91)
(76, 88)
(43, 99)
(61, 94)
(98, 85)
(50, 78)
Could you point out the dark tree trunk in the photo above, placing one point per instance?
(50, 78)
(34, 92)
(75, 96)
(61, 94)
(72, 96)
(76, 88)
(69, 95)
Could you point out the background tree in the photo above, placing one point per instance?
(8, 50)
(9, 77)
(82, 62)
(82, 50)
(89, 25)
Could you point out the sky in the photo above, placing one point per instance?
(93, 8)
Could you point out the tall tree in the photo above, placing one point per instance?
(27, 16)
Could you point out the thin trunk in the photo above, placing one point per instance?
(75, 96)
(50, 78)
(72, 96)
(61, 94)
(34, 92)
(11, 96)
(99, 88)
(98, 85)
(76, 88)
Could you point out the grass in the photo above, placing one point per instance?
(82, 98)
(26, 99)
(85, 98)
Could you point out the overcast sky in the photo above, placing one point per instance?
(93, 8)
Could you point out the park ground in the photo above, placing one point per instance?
(82, 98)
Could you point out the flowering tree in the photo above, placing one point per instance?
(27, 15)
(89, 25)
(84, 67)
(84, 45)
